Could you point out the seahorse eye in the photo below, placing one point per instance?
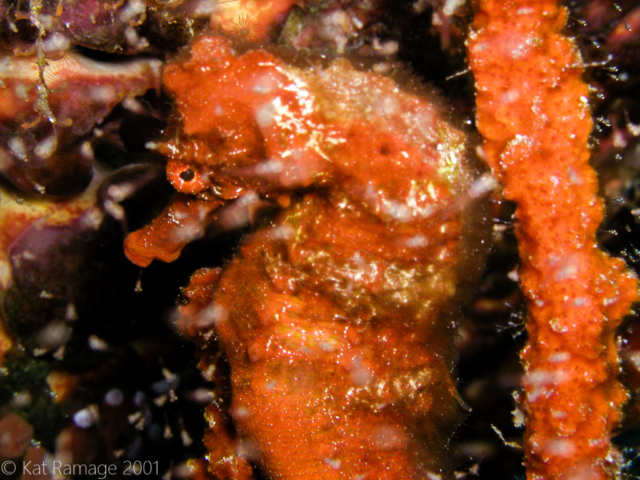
(188, 175)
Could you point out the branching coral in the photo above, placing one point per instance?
(534, 115)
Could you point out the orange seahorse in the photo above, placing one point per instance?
(337, 318)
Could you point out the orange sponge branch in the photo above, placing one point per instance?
(533, 113)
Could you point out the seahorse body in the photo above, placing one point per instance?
(337, 319)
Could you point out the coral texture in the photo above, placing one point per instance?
(249, 20)
(534, 115)
(337, 319)
(49, 105)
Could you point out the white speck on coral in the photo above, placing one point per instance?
(269, 167)
(22, 91)
(266, 114)
(283, 232)
(559, 448)
(133, 105)
(131, 10)
(114, 397)
(97, 344)
(114, 209)
(212, 315)
(102, 93)
(333, 463)
(47, 147)
(265, 84)
(518, 417)
(544, 377)
(21, 399)
(397, 210)
(120, 192)
(385, 49)
(510, 96)
(18, 147)
(240, 412)
(633, 357)
(389, 437)
(56, 42)
(557, 326)
(92, 218)
(86, 151)
(580, 301)
(86, 417)
(559, 357)
(360, 375)
(71, 315)
(417, 241)
(482, 185)
(451, 7)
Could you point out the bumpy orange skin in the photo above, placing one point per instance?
(162, 239)
(535, 119)
(336, 320)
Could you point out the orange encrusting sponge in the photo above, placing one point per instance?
(533, 112)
